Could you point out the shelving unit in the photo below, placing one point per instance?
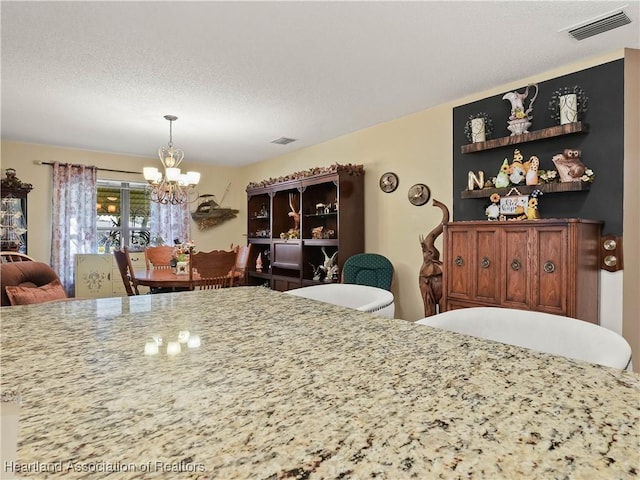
(330, 202)
(545, 133)
(527, 189)
(556, 131)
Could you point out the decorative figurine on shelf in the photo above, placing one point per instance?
(493, 210)
(318, 272)
(295, 231)
(516, 169)
(502, 180)
(293, 214)
(316, 233)
(520, 119)
(532, 208)
(329, 266)
(430, 277)
(569, 166)
(568, 104)
(259, 262)
(532, 171)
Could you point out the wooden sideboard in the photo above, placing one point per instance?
(545, 265)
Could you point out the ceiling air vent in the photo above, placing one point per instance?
(283, 140)
(601, 25)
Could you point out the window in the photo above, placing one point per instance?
(123, 214)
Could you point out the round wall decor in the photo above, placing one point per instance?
(388, 182)
(419, 194)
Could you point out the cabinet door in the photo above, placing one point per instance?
(458, 263)
(488, 270)
(286, 255)
(93, 276)
(551, 264)
(517, 271)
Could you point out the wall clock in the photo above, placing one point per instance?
(419, 194)
(388, 182)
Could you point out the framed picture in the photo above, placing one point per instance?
(514, 205)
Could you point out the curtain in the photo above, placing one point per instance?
(74, 218)
(169, 222)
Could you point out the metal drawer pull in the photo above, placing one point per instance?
(459, 261)
(515, 264)
(485, 262)
(549, 267)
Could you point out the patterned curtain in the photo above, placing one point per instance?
(170, 222)
(74, 218)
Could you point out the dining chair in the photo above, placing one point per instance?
(212, 283)
(239, 272)
(214, 268)
(126, 271)
(9, 257)
(364, 298)
(544, 332)
(370, 269)
(158, 257)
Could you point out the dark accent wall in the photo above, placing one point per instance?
(602, 148)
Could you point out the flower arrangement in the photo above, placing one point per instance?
(588, 176)
(488, 126)
(548, 176)
(554, 103)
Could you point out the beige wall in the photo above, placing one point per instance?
(417, 147)
(214, 180)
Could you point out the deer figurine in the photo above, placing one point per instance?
(295, 215)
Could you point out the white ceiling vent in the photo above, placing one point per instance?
(598, 25)
(283, 140)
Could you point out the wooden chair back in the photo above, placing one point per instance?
(158, 257)
(126, 271)
(240, 268)
(10, 257)
(211, 283)
(214, 266)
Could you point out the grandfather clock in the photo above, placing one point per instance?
(13, 212)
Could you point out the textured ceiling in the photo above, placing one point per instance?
(101, 75)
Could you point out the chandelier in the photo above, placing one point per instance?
(172, 186)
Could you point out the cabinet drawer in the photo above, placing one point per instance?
(282, 284)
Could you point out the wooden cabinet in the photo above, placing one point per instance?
(98, 276)
(330, 205)
(13, 212)
(545, 265)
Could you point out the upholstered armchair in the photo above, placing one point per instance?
(35, 282)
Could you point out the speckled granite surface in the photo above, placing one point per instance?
(279, 390)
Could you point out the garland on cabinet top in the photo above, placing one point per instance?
(335, 168)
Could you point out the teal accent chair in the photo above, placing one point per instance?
(369, 269)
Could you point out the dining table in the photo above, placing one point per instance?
(252, 383)
(166, 278)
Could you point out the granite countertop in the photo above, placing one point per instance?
(284, 387)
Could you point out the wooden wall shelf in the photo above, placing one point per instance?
(557, 131)
(527, 189)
